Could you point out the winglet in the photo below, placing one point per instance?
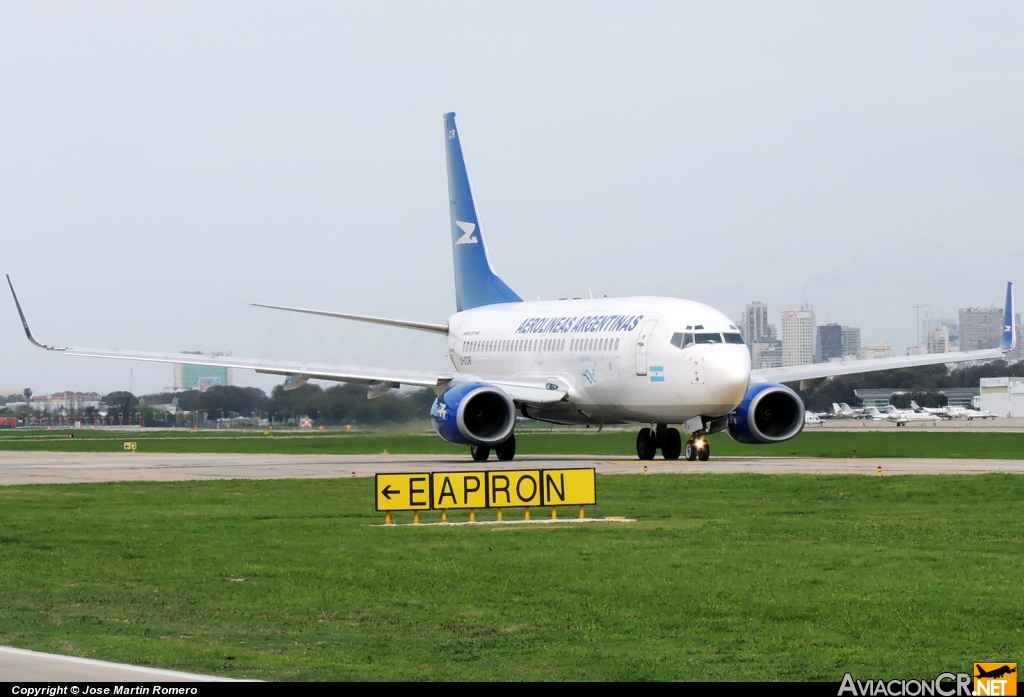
(1009, 330)
(24, 322)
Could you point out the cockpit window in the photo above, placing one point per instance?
(707, 338)
(680, 340)
(733, 338)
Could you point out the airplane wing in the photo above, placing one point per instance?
(524, 390)
(319, 371)
(817, 371)
(827, 370)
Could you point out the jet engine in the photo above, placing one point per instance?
(769, 413)
(474, 413)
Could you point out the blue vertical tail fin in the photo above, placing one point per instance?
(1009, 328)
(476, 283)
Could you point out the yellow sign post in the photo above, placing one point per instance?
(131, 445)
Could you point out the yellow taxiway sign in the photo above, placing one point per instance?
(403, 492)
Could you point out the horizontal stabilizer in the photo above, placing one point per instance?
(437, 328)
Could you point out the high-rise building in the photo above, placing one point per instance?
(756, 329)
(851, 342)
(830, 342)
(797, 336)
(980, 328)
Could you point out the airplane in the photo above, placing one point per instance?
(810, 419)
(659, 362)
(900, 416)
(971, 414)
(995, 672)
(941, 412)
(845, 411)
(949, 412)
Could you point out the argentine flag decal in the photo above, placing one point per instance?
(657, 373)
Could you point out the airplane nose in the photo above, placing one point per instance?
(728, 374)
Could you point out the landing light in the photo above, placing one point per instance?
(699, 443)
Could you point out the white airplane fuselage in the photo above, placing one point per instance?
(614, 356)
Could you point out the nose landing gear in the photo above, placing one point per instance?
(697, 449)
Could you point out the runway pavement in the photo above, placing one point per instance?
(69, 468)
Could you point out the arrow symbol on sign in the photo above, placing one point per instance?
(387, 491)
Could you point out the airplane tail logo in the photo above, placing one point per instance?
(467, 230)
(476, 284)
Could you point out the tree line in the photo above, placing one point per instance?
(338, 404)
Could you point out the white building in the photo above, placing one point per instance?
(766, 355)
(937, 340)
(798, 340)
(1002, 396)
(880, 349)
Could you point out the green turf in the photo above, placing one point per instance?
(811, 443)
(724, 577)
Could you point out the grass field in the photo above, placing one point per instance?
(723, 576)
(610, 443)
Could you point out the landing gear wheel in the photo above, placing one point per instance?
(671, 444)
(646, 444)
(480, 452)
(507, 450)
(704, 453)
(690, 451)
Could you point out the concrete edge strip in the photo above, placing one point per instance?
(159, 672)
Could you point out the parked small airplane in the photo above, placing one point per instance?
(845, 411)
(949, 412)
(900, 416)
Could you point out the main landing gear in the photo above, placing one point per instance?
(668, 440)
(505, 451)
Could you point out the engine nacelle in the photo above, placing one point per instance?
(769, 413)
(474, 413)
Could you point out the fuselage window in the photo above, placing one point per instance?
(616, 344)
(707, 338)
(733, 338)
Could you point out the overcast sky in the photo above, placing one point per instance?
(164, 164)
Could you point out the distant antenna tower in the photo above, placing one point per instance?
(917, 316)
